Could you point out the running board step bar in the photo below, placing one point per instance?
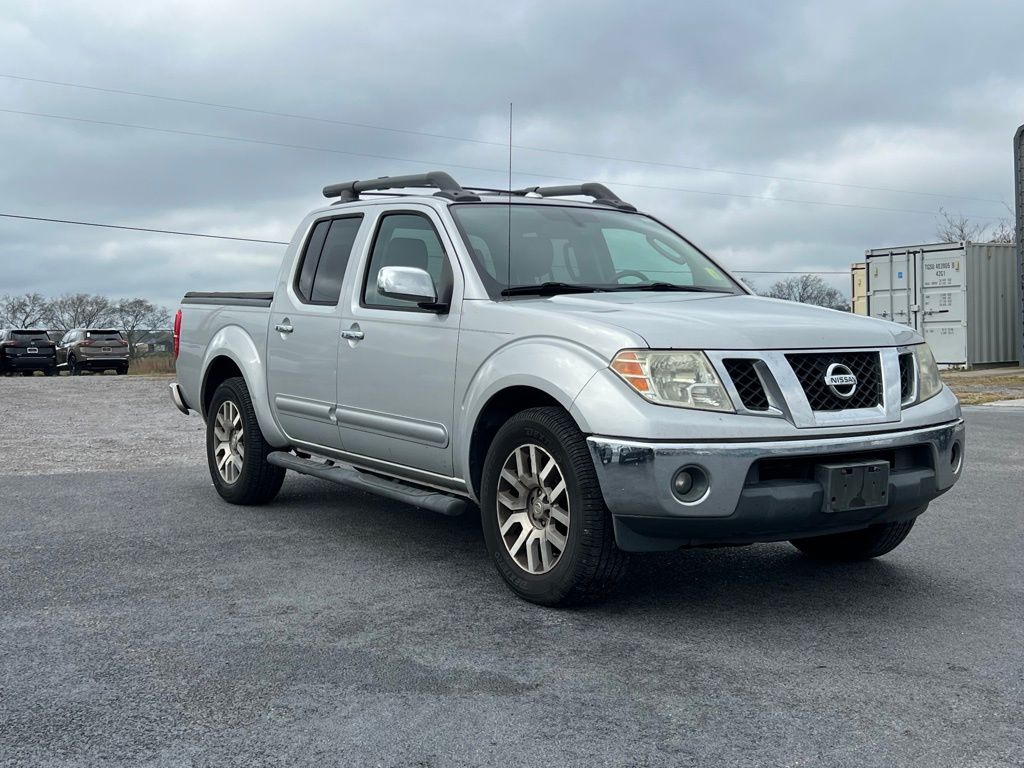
(424, 498)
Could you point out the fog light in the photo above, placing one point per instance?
(955, 458)
(691, 484)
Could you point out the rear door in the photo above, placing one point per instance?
(396, 375)
(302, 340)
(35, 344)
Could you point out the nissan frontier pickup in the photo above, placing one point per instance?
(583, 375)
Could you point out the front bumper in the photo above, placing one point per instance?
(765, 490)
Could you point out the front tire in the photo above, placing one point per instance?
(73, 368)
(236, 450)
(544, 520)
(874, 541)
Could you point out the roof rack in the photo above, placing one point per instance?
(347, 191)
(599, 192)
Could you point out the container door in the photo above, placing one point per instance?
(890, 287)
(944, 306)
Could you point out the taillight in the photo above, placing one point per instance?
(177, 333)
(87, 343)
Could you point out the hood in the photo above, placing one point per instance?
(715, 321)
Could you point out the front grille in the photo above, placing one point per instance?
(747, 383)
(810, 370)
(906, 376)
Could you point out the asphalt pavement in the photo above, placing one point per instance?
(143, 622)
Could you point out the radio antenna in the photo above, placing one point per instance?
(508, 282)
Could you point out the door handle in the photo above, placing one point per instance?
(282, 328)
(352, 334)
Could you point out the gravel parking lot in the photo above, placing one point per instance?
(144, 622)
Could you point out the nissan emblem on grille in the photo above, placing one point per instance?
(841, 381)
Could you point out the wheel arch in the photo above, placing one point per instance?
(501, 406)
(232, 352)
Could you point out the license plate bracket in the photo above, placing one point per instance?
(33, 350)
(853, 486)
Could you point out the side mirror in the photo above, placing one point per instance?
(409, 284)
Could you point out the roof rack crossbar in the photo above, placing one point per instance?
(593, 189)
(348, 191)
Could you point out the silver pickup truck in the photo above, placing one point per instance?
(584, 375)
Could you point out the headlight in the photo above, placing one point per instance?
(669, 377)
(929, 383)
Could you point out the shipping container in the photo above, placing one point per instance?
(859, 288)
(960, 296)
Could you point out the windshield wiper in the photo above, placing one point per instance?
(550, 289)
(669, 287)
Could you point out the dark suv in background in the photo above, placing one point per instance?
(26, 351)
(93, 349)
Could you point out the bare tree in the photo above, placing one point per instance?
(137, 317)
(23, 311)
(955, 228)
(79, 310)
(808, 289)
(1002, 233)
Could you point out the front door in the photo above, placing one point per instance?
(302, 346)
(396, 364)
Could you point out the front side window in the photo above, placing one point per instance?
(406, 240)
(582, 248)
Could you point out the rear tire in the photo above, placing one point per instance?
(865, 544)
(122, 371)
(51, 371)
(551, 537)
(240, 476)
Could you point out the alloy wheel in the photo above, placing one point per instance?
(229, 448)
(533, 509)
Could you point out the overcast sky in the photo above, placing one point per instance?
(918, 97)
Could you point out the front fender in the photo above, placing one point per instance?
(235, 343)
(556, 367)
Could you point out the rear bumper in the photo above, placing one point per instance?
(765, 490)
(102, 363)
(178, 398)
(28, 363)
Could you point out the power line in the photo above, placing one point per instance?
(280, 242)
(140, 229)
(408, 131)
(787, 272)
(311, 148)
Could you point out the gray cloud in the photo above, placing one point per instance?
(912, 96)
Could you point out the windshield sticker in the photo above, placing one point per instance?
(713, 272)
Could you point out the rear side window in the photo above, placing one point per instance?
(326, 257)
(310, 259)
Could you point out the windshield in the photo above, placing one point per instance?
(564, 248)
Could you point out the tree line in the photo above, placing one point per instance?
(135, 317)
